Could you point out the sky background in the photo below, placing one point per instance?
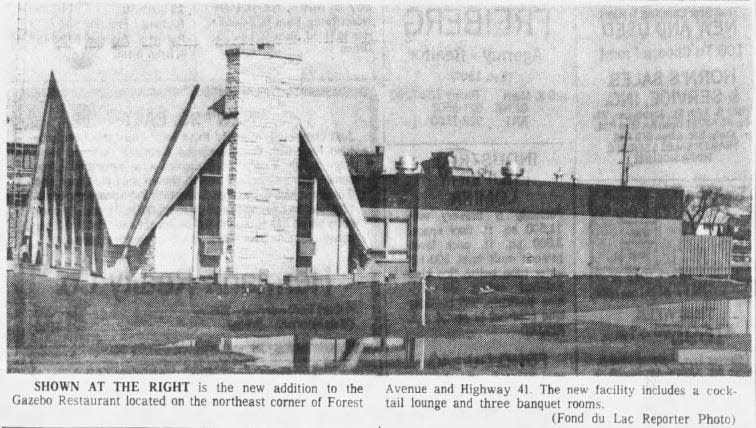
(551, 88)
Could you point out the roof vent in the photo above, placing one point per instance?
(511, 171)
(406, 164)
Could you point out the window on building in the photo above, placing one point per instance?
(209, 205)
(389, 238)
(209, 212)
(306, 199)
(30, 160)
(396, 236)
(305, 213)
(377, 232)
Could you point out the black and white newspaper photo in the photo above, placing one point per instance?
(384, 215)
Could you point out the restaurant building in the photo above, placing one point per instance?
(248, 183)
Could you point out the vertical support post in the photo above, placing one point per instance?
(55, 191)
(338, 240)
(422, 353)
(33, 218)
(55, 233)
(64, 202)
(423, 289)
(340, 226)
(83, 221)
(384, 312)
(105, 245)
(45, 225)
(94, 235)
(314, 213)
(195, 239)
(74, 184)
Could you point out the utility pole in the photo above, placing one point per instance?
(625, 164)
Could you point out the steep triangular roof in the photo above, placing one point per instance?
(204, 131)
(321, 139)
(121, 133)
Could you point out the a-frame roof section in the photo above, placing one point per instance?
(204, 131)
(121, 133)
(316, 127)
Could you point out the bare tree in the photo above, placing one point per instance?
(707, 203)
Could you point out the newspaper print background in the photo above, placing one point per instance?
(549, 87)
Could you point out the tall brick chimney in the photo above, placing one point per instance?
(262, 87)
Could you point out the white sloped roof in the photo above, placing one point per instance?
(319, 133)
(122, 130)
(204, 131)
